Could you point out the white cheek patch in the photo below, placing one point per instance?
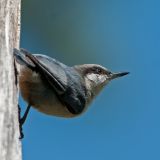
(92, 77)
(102, 78)
(96, 78)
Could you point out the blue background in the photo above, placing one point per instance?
(123, 122)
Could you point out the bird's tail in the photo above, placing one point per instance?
(22, 59)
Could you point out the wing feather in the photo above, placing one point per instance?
(53, 72)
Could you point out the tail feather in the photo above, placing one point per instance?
(22, 59)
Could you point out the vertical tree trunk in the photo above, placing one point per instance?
(10, 145)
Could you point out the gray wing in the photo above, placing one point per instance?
(50, 69)
(57, 75)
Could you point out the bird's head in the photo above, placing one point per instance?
(96, 77)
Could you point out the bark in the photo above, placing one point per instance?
(10, 145)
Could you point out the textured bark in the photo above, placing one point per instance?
(10, 145)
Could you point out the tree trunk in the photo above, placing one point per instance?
(10, 145)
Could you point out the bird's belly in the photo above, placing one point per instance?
(40, 96)
(52, 106)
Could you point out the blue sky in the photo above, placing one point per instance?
(123, 121)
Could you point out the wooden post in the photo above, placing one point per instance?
(10, 145)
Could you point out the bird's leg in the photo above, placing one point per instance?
(22, 120)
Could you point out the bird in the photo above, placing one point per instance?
(57, 89)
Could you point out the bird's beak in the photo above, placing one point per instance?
(117, 75)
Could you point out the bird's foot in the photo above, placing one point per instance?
(20, 123)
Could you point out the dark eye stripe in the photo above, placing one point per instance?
(98, 70)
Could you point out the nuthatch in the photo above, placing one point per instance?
(57, 89)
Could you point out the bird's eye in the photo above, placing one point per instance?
(97, 70)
